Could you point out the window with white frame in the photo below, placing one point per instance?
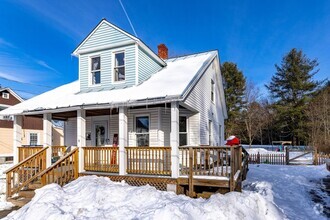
(220, 134)
(96, 70)
(119, 67)
(5, 95)
(210, 132)
(33, 139)
(142, 130)
(183, 134)
(212, 91)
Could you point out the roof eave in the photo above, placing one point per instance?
(129, 103)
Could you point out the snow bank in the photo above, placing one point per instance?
(94, 197)
(289, 187)
(4, 205)
(260, 150)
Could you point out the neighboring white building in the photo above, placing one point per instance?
(124, 89)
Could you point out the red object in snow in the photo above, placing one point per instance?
(232, 140)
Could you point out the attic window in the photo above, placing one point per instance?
(96, 70)
(5, 95)
(119, 67)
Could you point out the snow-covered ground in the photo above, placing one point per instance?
(4, 205)
(270, 192)
(308, 158)
(290, 187)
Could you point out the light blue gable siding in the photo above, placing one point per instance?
(103, 36)
(147, 66)
(107, 69)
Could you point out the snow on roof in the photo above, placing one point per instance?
(169, 82)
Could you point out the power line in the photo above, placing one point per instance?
(129, 20)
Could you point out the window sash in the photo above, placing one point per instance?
(33, 139)
(142, 132)
(210, 133)
(119, 70)
(212, 90)
(96, 70)
(118, 75)
(183, 131)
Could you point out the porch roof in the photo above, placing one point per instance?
(169, 84)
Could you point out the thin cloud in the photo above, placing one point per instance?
(13, 78)
(15, 58)
(44, 64)
(19, 79)
(3, 42)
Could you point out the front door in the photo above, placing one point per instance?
(100, 133)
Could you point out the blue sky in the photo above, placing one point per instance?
(37, 37)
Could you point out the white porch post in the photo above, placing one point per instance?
(81, 136)
(17, 136)
(175, 139)
(122, 140)
(47, 136)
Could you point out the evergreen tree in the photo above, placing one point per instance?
(291, 87)
(234, 87)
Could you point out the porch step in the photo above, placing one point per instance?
(24, 197)
(28, 194)
(35, 185)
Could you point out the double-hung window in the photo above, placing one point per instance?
(33, 139)
(212, 91)
(183, 134)
(119, 67)
(210, 133)
(96, 70)
(142, 130)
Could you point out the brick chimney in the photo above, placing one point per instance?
(162, 51)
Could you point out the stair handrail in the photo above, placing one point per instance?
(25, 160)
(8, 172)
(53, 166)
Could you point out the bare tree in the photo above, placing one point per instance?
(254, 114)
(318, 113)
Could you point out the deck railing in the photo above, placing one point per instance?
(213, 161)
(210, 161)
(149, 160)
(101, 159)
(26, 151)
(58, 151)
(63, 171)
(24, 172)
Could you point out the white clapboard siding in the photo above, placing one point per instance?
(70, 137)
(200, 99)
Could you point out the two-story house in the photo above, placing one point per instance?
(31, 127)
(133, 111)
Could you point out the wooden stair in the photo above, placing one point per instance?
(24, 197)
(22, 180)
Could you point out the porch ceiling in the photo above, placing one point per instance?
(64, 115)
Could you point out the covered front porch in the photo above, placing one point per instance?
(203, 170)
(159, 145)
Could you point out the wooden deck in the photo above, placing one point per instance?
(203, 170)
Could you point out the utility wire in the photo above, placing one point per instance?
(129, 20)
